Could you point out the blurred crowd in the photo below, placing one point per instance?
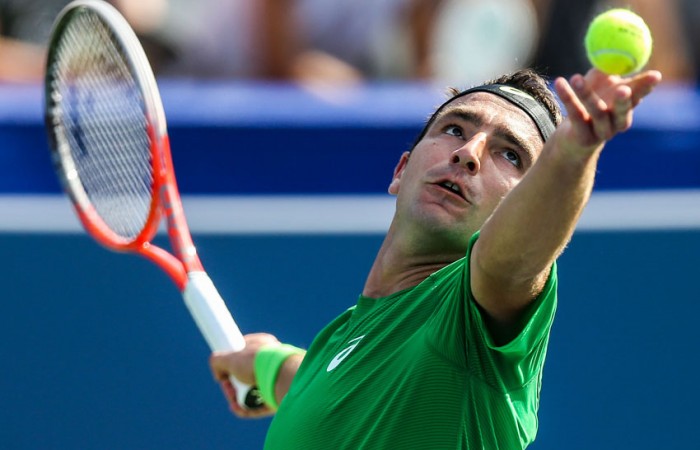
(352, 41)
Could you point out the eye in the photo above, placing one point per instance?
(453, 130)
(512, 157)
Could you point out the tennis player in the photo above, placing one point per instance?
(446, 344)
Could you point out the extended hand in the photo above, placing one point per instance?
(599, 106)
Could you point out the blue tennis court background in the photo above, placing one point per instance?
(98, 351)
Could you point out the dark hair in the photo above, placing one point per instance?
(536, 85)
(526, 80)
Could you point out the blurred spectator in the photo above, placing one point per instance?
(690, 14)
(341, 40)
(476, 40)
(347, 41)
(671, 53)
(25, 27)
(457, 42)
(209, 38)
(24, 32)
(146, 18)
(564, 25)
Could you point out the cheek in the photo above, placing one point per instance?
(498, 170)
(433, 150)
(499, 187)
(509, 183)
(416, 167)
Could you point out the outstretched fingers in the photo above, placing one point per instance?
(577, 111)
(621, 110)
(642, 84)
(601, 122)
(600, 106)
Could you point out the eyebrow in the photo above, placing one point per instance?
(500, 132)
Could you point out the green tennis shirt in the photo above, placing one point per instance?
(418, 370)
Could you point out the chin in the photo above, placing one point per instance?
(453, 237)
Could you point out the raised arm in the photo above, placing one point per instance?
(535, 221)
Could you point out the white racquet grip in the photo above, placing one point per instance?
(217, 325)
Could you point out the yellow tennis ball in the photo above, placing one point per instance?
(618, 42)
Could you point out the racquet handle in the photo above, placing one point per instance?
(218, 327)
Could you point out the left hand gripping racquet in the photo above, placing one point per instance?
(110, 148)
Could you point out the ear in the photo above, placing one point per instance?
(398, 171)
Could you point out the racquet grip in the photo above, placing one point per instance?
(216, 324)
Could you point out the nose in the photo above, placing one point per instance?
(469, 155)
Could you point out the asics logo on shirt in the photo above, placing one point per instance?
(337, 359)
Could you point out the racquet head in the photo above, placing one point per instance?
(110, 148)
(106, 124)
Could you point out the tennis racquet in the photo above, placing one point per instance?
(110, 148)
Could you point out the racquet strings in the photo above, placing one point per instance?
(101, 125)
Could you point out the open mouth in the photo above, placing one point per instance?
(453, 187)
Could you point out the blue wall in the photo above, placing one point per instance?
(98, 351)
(260, 139)
(92, 362)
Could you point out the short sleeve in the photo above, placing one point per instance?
(514, 364)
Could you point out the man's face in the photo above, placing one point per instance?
(474, 153)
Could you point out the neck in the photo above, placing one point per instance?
(401, 264)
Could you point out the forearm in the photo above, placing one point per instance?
(286, 375)
(536, 220)
(275, 368)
